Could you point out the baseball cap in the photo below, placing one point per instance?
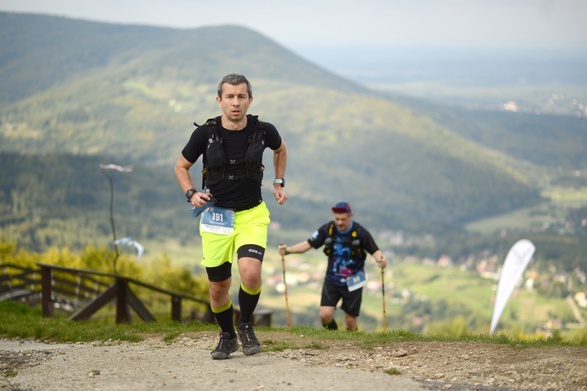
(342, 207)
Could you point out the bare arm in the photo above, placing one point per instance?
(182, 174)
(279, 164)
(297, 248)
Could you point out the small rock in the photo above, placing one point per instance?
(93, 373)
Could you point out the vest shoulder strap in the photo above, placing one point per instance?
(331, 229)
(213, 122)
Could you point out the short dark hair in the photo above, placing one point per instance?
(235, 79)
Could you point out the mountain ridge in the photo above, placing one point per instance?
(95, 45)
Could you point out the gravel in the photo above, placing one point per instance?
(185, 364)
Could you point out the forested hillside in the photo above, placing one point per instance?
(64, 200)
(38, 52)
(74, 94)
(546, 140)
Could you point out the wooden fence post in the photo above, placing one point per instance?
(122, 310)
(46, 292)
(176, 308)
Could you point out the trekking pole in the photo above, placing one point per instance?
(285, 290)
(383, 299)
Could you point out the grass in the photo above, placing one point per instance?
(393, 371)
(22, 322)
(282, 344)
(560, 200)
(518, 219)
(275, 346)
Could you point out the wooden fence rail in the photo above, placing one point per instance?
(18, 283)
(86, 289)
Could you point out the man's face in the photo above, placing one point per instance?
(342, 221)
(234, 101)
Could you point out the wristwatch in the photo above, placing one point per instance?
(190, 193)
(279, 181)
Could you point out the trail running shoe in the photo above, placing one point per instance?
(247, 336)
(226, 345)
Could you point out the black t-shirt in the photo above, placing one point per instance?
(340, 262)
(242, 191)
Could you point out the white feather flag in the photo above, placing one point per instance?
(115, 167)
(514, 265)
(127, 241)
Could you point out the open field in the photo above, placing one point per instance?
(561, 200)
(547, 98)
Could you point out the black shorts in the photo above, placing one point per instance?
(351, 301)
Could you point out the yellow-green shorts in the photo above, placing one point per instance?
(250, 227)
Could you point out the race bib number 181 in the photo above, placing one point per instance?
(217, 220)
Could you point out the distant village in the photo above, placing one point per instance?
(557, 103)
(553, 283)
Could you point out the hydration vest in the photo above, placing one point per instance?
(217, 162)
(352, 241)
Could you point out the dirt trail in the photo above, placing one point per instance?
(185, 364)
(158, 366)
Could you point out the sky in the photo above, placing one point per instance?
(321, 23)
(380, 40)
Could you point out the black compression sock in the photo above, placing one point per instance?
(225, 320)
(248, 303)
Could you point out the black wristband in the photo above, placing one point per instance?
(190, 193)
